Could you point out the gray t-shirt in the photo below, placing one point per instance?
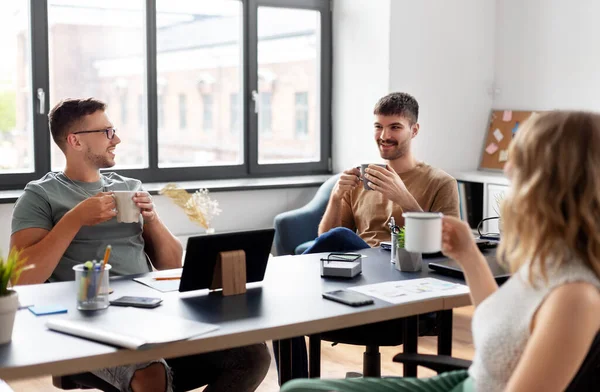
(48, 199)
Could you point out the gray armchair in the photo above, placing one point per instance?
(296, 230)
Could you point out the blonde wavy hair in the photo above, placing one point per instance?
(552, 212)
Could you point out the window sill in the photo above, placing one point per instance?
(230, 185)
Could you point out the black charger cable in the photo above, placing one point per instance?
(488, 236)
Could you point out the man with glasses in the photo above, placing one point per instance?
(69, 217)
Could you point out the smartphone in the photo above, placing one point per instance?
(343, 257)
(137, 302)
(348, 297)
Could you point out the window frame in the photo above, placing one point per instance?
(39, 52)
(323, 165)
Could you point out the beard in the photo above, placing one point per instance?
(396, 153)
(101, 161)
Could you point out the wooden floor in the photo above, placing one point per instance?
(337, 360)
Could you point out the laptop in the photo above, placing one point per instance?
(452, 268)
(202, 252)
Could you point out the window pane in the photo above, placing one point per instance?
(264, 117)
(235, 115)
(301, 115)
(288, 71)
(182, 112)
(207, 112)
(16, 128)
(97, 49)
(199, 55)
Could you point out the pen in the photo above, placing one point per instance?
(392, 225)
(167, 278)
(106, 256)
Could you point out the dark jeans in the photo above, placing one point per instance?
(239, 369)
(236, 370)
(339, 239)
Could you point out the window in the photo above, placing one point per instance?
(288, 61)
(97, 49)
(264, 117)
(207, 112)
(235, 115)
(141, 111)
(197, 89)
(301, 115)
(182, 112)
(16, 127)
(123, 102)
(199, 50)
(160, 104)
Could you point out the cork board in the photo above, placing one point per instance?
(502, 127)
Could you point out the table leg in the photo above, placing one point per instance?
(411, 342)
(444, 318)
(314, 352)
(285, 360)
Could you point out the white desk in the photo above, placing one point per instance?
(287, 304)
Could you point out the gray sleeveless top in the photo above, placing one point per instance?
(501, 323)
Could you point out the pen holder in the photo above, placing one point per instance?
(92, 287)
(408, 261)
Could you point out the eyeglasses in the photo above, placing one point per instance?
(110, 132)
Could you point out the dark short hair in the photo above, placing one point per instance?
(67, 113)
(398, 104)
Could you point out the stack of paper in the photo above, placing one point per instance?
(412, 290)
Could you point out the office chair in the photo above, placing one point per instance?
(586, 379)
(296, 230)
(82, 381)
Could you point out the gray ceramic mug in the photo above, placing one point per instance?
(362, 173)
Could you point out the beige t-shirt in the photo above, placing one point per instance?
(368, 212)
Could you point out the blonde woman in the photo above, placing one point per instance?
(534, 332)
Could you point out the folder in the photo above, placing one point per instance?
(131, 328)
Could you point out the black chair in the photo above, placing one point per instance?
(376, 335)
(82, 381)
(586, 379)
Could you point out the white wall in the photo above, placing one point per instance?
(442, 53)
(547, 54)
(241, 210)
(361, 73)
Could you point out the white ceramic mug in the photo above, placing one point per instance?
(127, 211)
(423, 232)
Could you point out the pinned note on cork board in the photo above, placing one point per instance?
(502, 127)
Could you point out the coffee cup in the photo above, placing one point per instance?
(423, 232)
(127, 211)
(362, 173)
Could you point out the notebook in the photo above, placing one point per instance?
(130, 328)
(453, 269)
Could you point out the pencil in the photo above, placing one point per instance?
(106, 256)
(101, 272)
(167, 278)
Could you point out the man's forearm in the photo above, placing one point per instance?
(332, 216)
(46, 254)
(163, 247)
(408, 202)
